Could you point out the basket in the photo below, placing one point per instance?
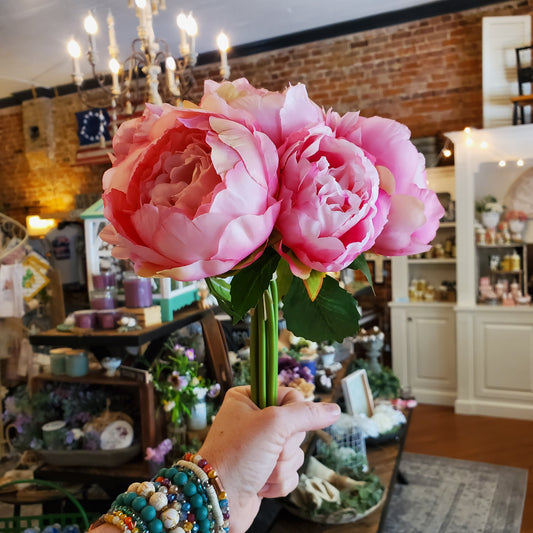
(17, 524)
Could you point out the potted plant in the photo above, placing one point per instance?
(183, 388)
(517, 223)
(490, 211)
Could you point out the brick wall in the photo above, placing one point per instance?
(426, 74)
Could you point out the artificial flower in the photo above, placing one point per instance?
(191, 195)
(515, 215)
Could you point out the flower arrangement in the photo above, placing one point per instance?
(262, 193)
(515, 215)
(489, 204)
(179, 378)
(294, 374)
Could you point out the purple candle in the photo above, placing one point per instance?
(137, 292)
(103, 299)
(104, 280)
(107, 319)
(84, 319)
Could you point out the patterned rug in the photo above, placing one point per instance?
(453, 496)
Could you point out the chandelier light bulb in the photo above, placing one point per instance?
(222, 42)
(141, 4)
(74, 49)
(170, 63)
(192, 27)
(446, 152)
(90, 24)
(520, 163)
(502, 163)
(181, 21)
(114, 66)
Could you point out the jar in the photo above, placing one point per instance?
(137, 291)
(58, 358)
(104, 280)
(84, 319)
(107, 319)
(77, 363)
(103, 299)
(516, 263)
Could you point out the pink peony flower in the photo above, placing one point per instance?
(190, 194)
(332, 206)
(415, 210)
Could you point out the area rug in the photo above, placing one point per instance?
(453, 496)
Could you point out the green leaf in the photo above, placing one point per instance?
(332, 316)
(313, 283)
(359, 263)
(249, 283)
(220, 289)
(283, 278)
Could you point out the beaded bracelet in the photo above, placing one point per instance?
(209, 477)
(188, 497)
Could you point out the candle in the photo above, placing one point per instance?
(223, 45)
(103, 299)
(137, 291)
(113, 47)
(181, 21)
(75, 52)
(84, 319)
(104, 280)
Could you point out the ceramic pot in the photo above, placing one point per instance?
(517, 226)
(490, 219)
(198, 417)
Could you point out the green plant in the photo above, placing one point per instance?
(384, 384)
(180, 380)
(487, 204)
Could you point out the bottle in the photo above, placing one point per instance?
(515, 262)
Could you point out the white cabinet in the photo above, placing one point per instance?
(494, 342)
(422, 321)
(423, 350)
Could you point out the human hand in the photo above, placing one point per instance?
(257, 451)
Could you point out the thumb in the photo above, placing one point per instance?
(306, 416)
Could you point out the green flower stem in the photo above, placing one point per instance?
(262, 353)
(272, 348)
(264, 349)
(254, 383)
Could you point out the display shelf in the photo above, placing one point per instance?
(433, 261)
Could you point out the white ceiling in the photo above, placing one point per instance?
(34, 33)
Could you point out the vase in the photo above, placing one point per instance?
(517, 227)
(198, 417)
(490, 219)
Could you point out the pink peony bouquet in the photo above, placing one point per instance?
(262, 193)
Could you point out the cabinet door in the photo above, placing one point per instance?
(431, 354)
(504, 355)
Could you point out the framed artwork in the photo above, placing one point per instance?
(357, 394)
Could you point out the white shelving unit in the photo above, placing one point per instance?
(494, 343)
(423, 333)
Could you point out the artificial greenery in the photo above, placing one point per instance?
(384, 384)
(360, 498)
(343, 460)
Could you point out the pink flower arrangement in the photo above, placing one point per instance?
(515, 215)
(257, 185)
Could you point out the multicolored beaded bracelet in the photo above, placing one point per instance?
(210, 479)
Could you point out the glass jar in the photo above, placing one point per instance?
(103, 299)
(137, 291)
(104, 280)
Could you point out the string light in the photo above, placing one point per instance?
(446, 152)
(502, 163)
(483, 144)
(467, 130)
(469, 142)
(520, 163)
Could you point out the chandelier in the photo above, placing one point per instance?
(150, 73)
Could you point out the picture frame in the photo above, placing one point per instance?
(357, 393)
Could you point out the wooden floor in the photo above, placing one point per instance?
(436, 430)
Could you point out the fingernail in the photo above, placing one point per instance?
(332, 408)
